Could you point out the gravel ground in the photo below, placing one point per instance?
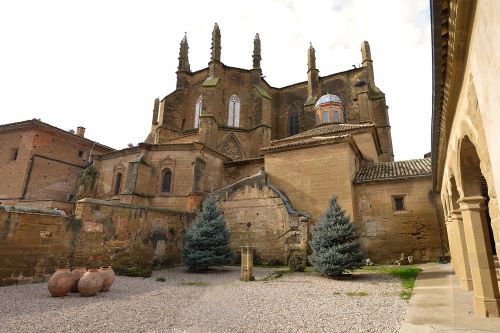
(296, 302)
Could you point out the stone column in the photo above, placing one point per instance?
(486, 294)
(461, 250)
(449, 232)
(247, 263)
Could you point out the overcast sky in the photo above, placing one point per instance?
(100, 64)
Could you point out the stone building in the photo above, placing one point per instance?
(41, 164)
(465, 140)
(273, 156)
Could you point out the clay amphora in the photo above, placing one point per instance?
(77, 274)
(90, 283)
(60, 282)
(108, 277)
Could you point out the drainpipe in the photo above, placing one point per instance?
(28, 177)
(90, 152)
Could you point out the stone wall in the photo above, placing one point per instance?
(127, 235)
(34, 242)
(258, 216)
(309, 176)
(385, 232)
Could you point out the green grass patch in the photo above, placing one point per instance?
(160, 279)
(407, 275)
(356, 293)
(194, 283)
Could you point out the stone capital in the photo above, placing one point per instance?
(471, 203)
(456, 215)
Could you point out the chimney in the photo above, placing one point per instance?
(80, 131)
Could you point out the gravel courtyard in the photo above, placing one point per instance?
(218, 302)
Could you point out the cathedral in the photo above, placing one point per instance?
(273, 156)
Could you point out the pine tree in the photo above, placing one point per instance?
(335, 246)
(206, 243)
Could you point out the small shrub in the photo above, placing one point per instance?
(143, 272)
(356, 293)
(160, 279)
(194, 283)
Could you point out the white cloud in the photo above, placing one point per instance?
(100, 64)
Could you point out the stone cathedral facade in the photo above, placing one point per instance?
(271, 155)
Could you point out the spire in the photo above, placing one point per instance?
(183, 56)
(366, 54)
(156, 108)
(311, 57)
(313, 88)
(256, 52)
(216, 48)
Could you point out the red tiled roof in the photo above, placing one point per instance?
(393, 170)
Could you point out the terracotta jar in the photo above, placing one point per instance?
(108, 277)
(77, 274)
(60, 282)
(90, 283)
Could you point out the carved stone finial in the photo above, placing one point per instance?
(256, 52)
(183, 56)
(311, 57)
(216, 43)
(365, 53)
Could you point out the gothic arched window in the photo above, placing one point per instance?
(118, 183)
(233, 116)
(166, 181)
(197, 111)
(293, 120)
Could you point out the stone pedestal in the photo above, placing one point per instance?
(486, 294)
(461, 250)
(247, 263)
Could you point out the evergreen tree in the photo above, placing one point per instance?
(206, 243)
(335, 246)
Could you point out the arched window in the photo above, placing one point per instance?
(166, 181)
(325, 117)
(197, 111)
(293, 120)
(118, 183)
(233, 117)
(336, 117)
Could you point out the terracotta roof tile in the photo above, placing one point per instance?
(305, 142)
(324, 130)
(393, 170)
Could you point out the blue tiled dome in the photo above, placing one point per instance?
(327, 99)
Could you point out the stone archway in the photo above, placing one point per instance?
(458, 242)
(479, 247)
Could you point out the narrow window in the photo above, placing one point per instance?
(325, 117)
(197, 111)
(14, 154)
(166, 181)
(293, 120)
(118, 183)
(233, 116)
(336, 116)
(398, 203)
(80, 153)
